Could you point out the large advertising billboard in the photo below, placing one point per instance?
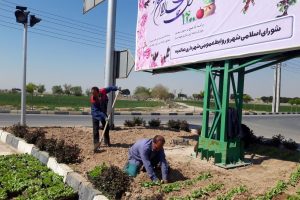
(180, 32)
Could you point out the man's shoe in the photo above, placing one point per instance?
(96, 146)
(143, 169)
(98, 150)
(107, 145)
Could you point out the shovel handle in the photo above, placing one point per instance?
(108, 118)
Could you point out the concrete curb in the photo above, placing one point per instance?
(135, 113)
(85, 189)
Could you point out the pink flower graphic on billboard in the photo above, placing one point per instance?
(141, 4)
(147, 53)
(144, 19)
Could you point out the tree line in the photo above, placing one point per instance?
(142, 93)
(66, 89)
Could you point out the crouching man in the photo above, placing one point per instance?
(148, 154)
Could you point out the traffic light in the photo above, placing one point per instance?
(34, 20)
(21, 15)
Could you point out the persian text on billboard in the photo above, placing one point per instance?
(180, 32)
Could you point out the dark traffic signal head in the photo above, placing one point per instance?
(21, 15)
(21, 8)
(34, 20)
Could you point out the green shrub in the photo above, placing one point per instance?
(64, 153)
(32, 137)
(50, 146)
(276, 140)
(69, 154)
(290, 144)
(184, 125)
(113, 182)
(248, 136)
(41, 143)
(138, 121)
(129, 123)
(95, 173)
(174, 124)
(154, 123)
(19, 130)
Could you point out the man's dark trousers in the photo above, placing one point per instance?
(96, 131)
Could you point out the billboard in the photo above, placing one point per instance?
(180, 32)
(90, 4)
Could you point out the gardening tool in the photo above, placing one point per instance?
(107, 120)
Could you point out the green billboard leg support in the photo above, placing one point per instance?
(213, 142)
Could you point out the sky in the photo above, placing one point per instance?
(67, 47)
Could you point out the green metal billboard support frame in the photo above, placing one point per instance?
(220, 79)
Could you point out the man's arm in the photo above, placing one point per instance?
(107, 90)
(164, 166)
(147, 164)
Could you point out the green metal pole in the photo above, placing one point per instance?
(225, 101)
(221, 83)
(240, 92)
(206, 102)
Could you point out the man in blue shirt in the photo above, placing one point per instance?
(148, 153)
(99, 101)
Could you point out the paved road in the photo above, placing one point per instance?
(266, 125)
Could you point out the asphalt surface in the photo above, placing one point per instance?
(262, 125)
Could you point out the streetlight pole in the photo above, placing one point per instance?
(278, 87)
(110, 48)
(23, 99)
(22, 17)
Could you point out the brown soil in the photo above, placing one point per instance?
(258, 177)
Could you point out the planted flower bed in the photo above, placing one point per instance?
(190, 178)
(64, 153)
(22, 177)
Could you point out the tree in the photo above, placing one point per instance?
(247, 98)
(171, 96)
(160, 92)
(57, 89)
(77, 90)
(88, 92)
(292, 101)
(41, 88)
(67, 89)
(142, 93)
(196, 96)
(201, 95)
(30, 88)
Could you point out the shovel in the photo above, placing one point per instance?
(107, 120)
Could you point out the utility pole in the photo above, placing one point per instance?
(110, 48)
(23, 98)
(22, 17)
(276, 88)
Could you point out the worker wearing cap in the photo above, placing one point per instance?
(150, 154)
(99, 101)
